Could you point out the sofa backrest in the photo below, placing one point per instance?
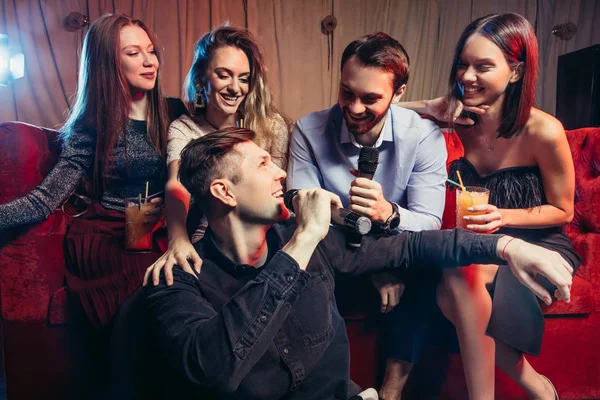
(27, 154)
(584, 230)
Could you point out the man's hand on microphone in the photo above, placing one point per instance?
(313, 216)
(366, 198)
(313, 211)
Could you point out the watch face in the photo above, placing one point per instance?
(394, 223)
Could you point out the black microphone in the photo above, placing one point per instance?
(367, 162)
(339, 216)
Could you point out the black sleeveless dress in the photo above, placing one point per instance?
(517, 318)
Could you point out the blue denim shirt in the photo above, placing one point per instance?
(239, 332)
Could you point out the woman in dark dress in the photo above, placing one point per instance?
(115, 143)
(522, 155)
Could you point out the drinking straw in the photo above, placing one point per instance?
(462, 186)
(146, 198)
(140, 201)
(454, 183)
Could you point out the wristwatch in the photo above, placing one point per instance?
(393, 221)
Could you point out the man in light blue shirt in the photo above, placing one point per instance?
(407, 191)
(411, 170)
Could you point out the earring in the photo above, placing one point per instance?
(200, 101)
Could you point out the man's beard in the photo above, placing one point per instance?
(362, 128)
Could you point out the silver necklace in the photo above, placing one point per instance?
(483, 139)
(487, 144)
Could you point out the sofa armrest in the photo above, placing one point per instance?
(32, 264)
(27, 154)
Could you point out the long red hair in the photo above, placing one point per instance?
(103, 98)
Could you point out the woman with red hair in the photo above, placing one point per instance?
(114, 146)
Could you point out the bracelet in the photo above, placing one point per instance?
(505, 246)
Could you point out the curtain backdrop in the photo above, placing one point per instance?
(300, 74)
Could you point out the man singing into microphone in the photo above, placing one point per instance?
(260, 320)
(407, 192)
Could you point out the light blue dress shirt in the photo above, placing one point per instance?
(411, 170)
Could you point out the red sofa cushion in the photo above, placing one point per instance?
(32, 268)
(582, 300)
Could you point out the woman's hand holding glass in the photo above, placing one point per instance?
(489, 222)
(155, 215)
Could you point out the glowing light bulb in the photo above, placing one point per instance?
(12, 64)
(17, 66)
(4, 60)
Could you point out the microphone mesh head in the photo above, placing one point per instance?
(363, 225)
(288, 197)
(368, 160)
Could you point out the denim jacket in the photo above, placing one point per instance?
(239, 332)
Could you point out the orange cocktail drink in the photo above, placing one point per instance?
(470, 197)
(138, 233)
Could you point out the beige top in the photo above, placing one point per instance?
(185, 129)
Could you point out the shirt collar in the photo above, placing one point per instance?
(238, 270)
(386, 134)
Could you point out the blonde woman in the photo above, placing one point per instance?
(225, 87)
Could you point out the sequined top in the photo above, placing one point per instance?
(134, 161)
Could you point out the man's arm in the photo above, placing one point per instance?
(411, 250)
(426, 185)
(302, 170)
(448, 249)
(217, 349)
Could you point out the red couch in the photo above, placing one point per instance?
(38, 344)
(46, 355)
(571, 350)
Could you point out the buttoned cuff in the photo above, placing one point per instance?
(403, 214)
(479, 248)
(487, 246)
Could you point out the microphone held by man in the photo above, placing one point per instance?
(368, 160)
